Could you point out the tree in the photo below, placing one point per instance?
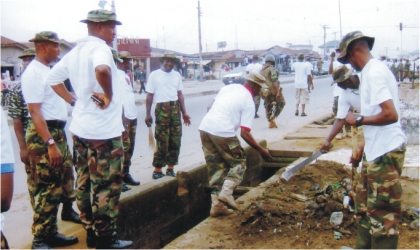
(221, 45)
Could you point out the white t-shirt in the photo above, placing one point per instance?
(7, 159)
(254, 68)
(377, 86)
(164, 85)
(337, 90)
(233, 107)
(89, 121)
(301, 74)
(347, 98)
(310, 66)
(129, 103)
(35, 90)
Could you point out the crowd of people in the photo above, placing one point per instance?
(104, 124)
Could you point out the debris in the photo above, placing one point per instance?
(336, 219)
(298, 197)
(414, 225)
(312, 205)
(337, 235)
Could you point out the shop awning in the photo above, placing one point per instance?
(205, 62)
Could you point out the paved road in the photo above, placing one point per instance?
(19, 218)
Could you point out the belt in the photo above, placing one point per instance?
(167, 104)
(58, 124)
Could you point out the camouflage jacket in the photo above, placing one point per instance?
(271, 74)
(407, 66)
(18, 109)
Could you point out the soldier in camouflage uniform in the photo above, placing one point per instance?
(378, 191)
(407, 70)
(165, 89)
(401, 70)
(232, 108)
(49, 157)
(394, 69)
(274, 101)
(319, 65)
(96, 127)
(18, 110)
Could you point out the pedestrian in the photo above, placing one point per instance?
(349, 98)
(18, 111)
(7, 171)
(378, 192)
(407, 70)
(255, 67)
(48, 152)
(401, 70)
(274, 101)
(142, 79)
(319, 65)
(303, 77)
(394, 69)
(96, 127)
(311, 68)
(4, 91)
(129, 118)
(233, 107)
(164, 88)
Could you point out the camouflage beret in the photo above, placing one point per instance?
(47, 36)
(301, 56)
(27, 53)
(256, 78)
(98, 16)
(124, 55)
(340, 74)
(347, 39)
(115, 55)
(170, 55)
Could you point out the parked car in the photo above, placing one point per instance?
(235, 76)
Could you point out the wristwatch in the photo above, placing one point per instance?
(73, 102)
(359, 120)
(50, 142)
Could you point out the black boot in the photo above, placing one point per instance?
(125, 187)
(68, 214)
(59, 240)
(112, 242)
(127, 179)
(91, 238)
(40, 242)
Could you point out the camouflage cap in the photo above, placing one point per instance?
(347, 39)
(301, 56)
(47, 36)
(341, 73)
(170, 55)
(27, 53)
(98, 16)
(256, 78)
(115, 55)
(124, 55)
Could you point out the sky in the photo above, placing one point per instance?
(242, 24)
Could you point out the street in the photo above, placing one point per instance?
(19, 218)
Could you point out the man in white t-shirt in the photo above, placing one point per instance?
(303, 77)
(130, 117)
(164, 88)
(96, 127)
(255, 67)
(311, 68)
(226, 162)
(378, 192)
(348, 97)
(48, 151)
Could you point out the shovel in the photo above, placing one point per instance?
(290, 171)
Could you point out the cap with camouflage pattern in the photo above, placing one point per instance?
(301, 56)
(27, 53)
(124, 55)
(347, 39)
(98, 16)
(256, 78)
(170, 55)
(46, 36)
(115, 55)
(340, 74)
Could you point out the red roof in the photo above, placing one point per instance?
(9, 42)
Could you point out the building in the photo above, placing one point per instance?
(329, 47)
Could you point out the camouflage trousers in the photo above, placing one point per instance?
(335, 106)
(168, 132)
(129, 141)
(225, 159)
(272, 104)
(45, 184)
(99, 182)
(378, 194)
(257, 101)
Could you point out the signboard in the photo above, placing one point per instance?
(136, 46)
(240, 54)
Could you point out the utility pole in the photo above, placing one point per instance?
(325, 36)
(164, 41)
(335, 40)
(401, 28)
(199, 41)
(339, 13)
(236, 36)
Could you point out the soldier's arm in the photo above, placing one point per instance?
(55, 158)
(186, 117)
(149, 100)
(15, 112)
(62, 91)
(104, 78)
